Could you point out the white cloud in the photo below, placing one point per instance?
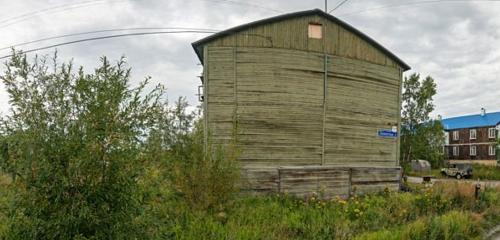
(456, 42)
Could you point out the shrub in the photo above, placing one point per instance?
(485, 172)
(73, 141)
(205, 179)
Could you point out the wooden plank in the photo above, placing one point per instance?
(279, 102)
(292, 34)
(303, 181)
(361, 100)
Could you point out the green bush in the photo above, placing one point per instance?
(485, 172)
(73, 142)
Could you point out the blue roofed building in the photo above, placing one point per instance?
(472, 138)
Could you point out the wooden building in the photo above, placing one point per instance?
(315, 104)
(472, 138)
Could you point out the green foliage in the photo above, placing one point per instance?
(421, 137)
(205, 181)
(485, 172)
(6, 197)
(427, 213)
(73, 141)
(453, 225)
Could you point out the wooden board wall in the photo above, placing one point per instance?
(276, 97)
(326, 181)
(220, 96)
(329, 181)
(362, 98)
(279, 106)
(305, 181)
(292, 34)
(267, 83)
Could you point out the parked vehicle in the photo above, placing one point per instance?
(457, 171)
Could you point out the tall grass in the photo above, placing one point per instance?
(485, 172)
(452, 225)
(430, 213)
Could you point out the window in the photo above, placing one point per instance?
(491, 133)
(455, 135)
(455, 151)
(491, 150)
(472, 134)
(473, 150)
(315, 30)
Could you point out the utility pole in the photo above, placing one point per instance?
(326, 6)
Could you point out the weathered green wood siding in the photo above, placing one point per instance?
(280, 96)
(292, 34)
(362, 98)
(294, 135)
(277, 96)
(329, 181)
(220, 96)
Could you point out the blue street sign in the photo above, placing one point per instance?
(388, 133)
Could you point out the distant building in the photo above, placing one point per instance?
(472, 138)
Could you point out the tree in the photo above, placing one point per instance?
(74, 141)
(422, 137)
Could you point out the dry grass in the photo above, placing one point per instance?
(456, 189)
(5, 179)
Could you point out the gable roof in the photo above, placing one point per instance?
(198, 45)
(471, 121)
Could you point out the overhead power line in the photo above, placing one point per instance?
(338, 5)
(246, 4)
(107, 37)
(70, 6)
(102, 31)
(412, 3)
(58, 8)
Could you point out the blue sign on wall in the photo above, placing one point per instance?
(388, 133)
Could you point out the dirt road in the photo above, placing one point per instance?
(484, 183)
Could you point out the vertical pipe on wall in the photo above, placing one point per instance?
(398, 145)
(325, 81)
(235, 88)
(349, 182)
(205, 99)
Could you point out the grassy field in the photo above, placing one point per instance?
(445, 211)
(481, 172)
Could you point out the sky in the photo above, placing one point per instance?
(457, 42)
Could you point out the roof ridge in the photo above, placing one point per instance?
(328, 16)
(471, 115)
(472, 121)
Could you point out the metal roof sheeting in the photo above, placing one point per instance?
(472, 121)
